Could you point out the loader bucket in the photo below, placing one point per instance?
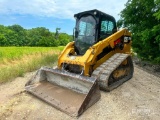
(68, 92)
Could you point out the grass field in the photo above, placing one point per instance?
(15, 61)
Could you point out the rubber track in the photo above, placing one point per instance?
(103, 72)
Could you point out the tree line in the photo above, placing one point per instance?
(142, 18)
(16, 35)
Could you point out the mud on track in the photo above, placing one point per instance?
(137, 99)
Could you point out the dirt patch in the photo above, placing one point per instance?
(137, 99)
(147, 66)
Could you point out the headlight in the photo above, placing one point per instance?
(127, 39)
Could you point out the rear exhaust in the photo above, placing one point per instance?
(68, 92)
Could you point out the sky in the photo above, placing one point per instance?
(53, 13)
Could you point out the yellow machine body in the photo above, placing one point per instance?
(89, 60)
(98, 58)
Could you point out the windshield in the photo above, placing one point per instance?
(86, 33)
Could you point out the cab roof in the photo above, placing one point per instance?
(98, 14)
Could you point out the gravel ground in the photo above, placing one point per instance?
(137, 99)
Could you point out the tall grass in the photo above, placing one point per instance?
(14, 53)
(15, 61)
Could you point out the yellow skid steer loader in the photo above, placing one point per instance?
(98, 58)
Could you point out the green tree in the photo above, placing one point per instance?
(64, 39)
(21, 34)
(3, 40)
(142, 18)
(8, 37)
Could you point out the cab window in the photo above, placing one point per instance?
(106, 29)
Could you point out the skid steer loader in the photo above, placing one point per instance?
(98, 58)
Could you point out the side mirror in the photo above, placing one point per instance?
(75, 33)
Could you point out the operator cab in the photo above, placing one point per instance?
(91, 27)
